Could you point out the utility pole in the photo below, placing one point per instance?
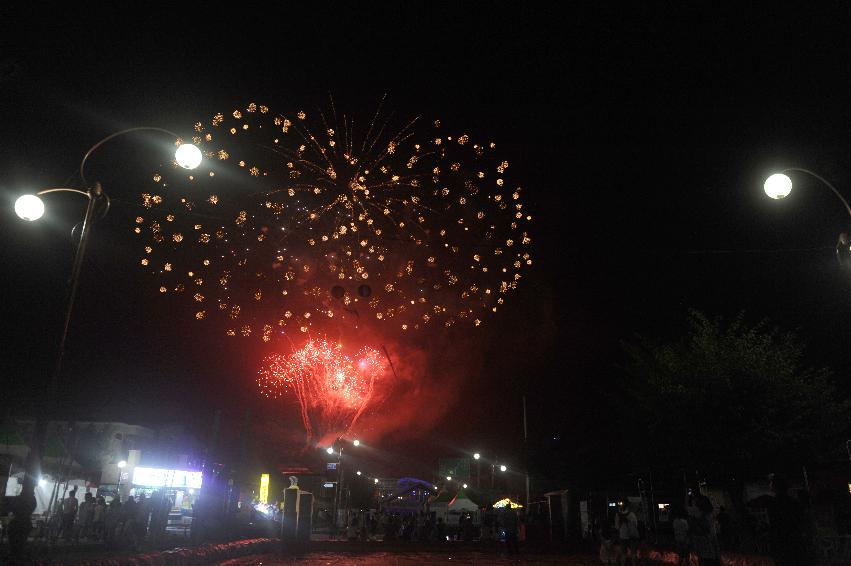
(526, 446)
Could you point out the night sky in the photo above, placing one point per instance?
(642, 137)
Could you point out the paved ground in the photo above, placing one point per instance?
(417, 558)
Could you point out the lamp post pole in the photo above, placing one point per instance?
(30, 207)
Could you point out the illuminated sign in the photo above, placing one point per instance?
(264, 488)
(505, 503)
(159, 477)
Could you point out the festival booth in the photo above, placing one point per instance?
(409, 496)
(450, 508)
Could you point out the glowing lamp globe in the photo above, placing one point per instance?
(448, 478)
(188, 156)
(329, 450)
(502, 468)
(477, 456)
(358, 472)
(376, 480)
(778, 186)
(121, 464)
(356, 442)
(29, 207)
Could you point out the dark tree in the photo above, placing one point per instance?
(729, 397)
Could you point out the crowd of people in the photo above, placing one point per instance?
(126, 524)
(695, 531)
(701, 531)
(504, 525)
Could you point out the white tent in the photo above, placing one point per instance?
(451, 510)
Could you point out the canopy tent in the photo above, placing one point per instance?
(450, 507)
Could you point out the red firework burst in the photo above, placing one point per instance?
(332, 388)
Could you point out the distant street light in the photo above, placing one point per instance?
(120, 465)
(503, 468)
(376, 480)
(356, 442)
(358, 472)
(464, 486)
(476, 457)
(329, 450)
(448, 478)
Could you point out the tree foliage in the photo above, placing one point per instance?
(728, 396)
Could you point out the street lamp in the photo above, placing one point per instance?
(121, 465)
(356, 442)
(477, 457)
(31, 207)
(503, 468)
(779, 185)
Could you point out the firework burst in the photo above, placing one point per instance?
(299, 220)
(333, 390)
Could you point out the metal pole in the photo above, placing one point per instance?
(33, 461)
(525, 443)
(337, 492)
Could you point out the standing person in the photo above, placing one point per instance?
(86, 516)
(508, 521)
(441, 530)
(128, 523)
(725, 529)
(143, 515)
(608, 552)
(704, 538)
(98, 518)
(785, 528)
(112, 521)
(69, 512)
(626, 523)
(681, 542)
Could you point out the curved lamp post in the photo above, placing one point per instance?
(30, 207)
(779, 185)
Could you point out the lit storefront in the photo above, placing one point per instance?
(180, 486)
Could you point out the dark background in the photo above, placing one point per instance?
(641, 135)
